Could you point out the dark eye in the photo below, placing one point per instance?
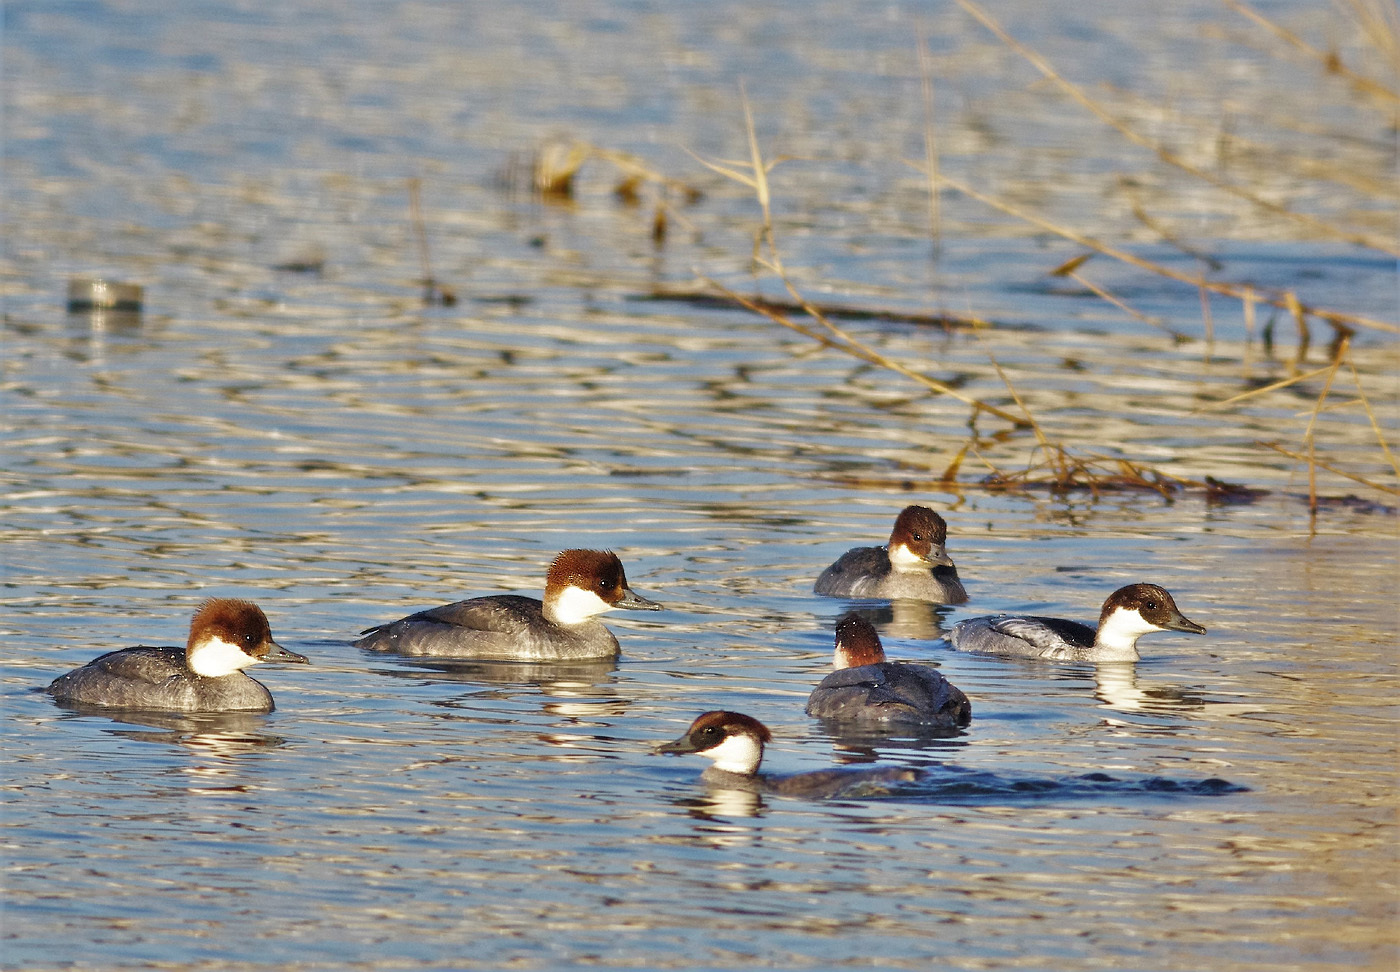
(917, 536)
(709, 732)
(249, 639)
(1151, 605)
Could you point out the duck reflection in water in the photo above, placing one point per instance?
(577, 688)
(1116, 686)
(222, 734)
(904, 619)
(720, 801)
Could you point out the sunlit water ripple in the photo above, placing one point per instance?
(331, 448)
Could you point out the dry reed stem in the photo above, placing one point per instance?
(1275, 386)
(1329, 60)
(756, 178)
(950, 473)
(1290, 300)
(1327, 386)
(1067, 471)
(634, 168)
(1380, 20)
(996, 473)
(1308, 436)
(1332, 469)
(1171, 238)
(1368, 180)
(839, 340)
(1343, 406)
(1206, 317)
(1133, 312)
(1040, 436)
(1070, 269)
(1375, 426)
(930, 144)
(420, 231)
(1238, 291)
(1166, 155)
(433, 292)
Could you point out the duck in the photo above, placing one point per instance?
(226, 636)
(913, 565)
(579, 585)
(867, 690)
(1129, 613)
(734, 742)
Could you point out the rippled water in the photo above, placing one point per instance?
(327, 445)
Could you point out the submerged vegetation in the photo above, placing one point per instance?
(1059, 465)
(1252, 180)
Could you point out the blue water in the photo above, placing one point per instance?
(329, 446)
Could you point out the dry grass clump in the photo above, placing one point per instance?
(551, 172)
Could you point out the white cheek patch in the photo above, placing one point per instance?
(1122, 629)
(902, 558)
(737, 754)
(576, 605)
(215, 657)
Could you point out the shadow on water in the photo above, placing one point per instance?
(956, 785)
(936, 785)
(854, 744)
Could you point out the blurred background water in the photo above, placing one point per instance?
(287, 420)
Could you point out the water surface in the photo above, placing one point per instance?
(329, 446)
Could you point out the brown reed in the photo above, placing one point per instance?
(1060, 466)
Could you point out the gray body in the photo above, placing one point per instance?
(817, 785)
(888, 693)
(505, 626)
(867, 572)
(158, 679)
(1129, 613)
(1033, 637)
(735, 742)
